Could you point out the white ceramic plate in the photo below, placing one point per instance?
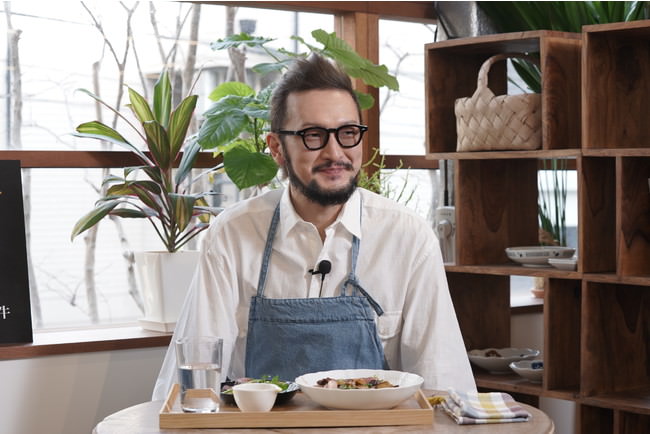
(360, 399)
(531, 370)
(537, 256)
(500, 364)
(563, 264)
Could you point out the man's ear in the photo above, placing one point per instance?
(273, 142)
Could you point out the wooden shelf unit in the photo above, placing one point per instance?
(597, 318)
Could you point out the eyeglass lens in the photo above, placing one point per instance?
(347, 136)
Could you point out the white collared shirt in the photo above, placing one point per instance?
(399, 265)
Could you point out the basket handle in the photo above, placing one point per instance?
(482, 82)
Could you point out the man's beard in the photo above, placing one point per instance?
(314, 192)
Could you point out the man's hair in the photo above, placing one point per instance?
(311, 73)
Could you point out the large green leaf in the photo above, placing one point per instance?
(183, 206)
(97, 130)
(148, 198)
(366, 101)
(128, 188)
(190, 153)
(231, 88)
(221, 128)
(257, 111)
(140, 107)
(93, 217)
(240, 39)
(179, 122)
(248, 168)
(132, 213)
(158, 143)
(355, 65)
(162, 99)
(265, 68)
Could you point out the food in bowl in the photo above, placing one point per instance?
(288, 388)
(360, 399)
(354, 383)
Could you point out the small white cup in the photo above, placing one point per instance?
(255, 396)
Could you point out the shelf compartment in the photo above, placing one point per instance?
(562, 304)
(496, 207)
(631, 423)
(594, 420)
(452, 68)
(632, 401)
(634, 206)
(506, 383)
(615, 67)
(487, 323)
(513, 270)
(615, 345)
(597, 216)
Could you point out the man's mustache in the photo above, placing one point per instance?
(330, 164)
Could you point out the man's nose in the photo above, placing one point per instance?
(333, 147)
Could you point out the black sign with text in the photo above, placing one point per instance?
(15, 313)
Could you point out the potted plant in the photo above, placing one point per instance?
(161, 195)
(235, 125)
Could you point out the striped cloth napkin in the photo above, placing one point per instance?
(477, 408)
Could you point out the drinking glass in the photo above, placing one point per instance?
(199, 372)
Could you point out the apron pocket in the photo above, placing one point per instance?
(389, 325)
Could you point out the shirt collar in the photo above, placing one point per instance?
(349, 217)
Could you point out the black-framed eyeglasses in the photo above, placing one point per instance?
(315, 138)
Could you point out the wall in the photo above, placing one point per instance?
(70, 394)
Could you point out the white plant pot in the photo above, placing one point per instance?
(164, 279)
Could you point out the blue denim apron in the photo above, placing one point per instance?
(290, 337)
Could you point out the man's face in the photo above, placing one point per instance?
(326, 176)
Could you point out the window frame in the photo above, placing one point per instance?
(355, 22)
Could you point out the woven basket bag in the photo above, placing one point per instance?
(485, 122)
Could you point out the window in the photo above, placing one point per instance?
(51, 71)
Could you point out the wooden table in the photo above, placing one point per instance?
(143, 419)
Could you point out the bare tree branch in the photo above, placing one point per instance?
(16, 142)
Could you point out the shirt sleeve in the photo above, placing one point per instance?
(208, 310)
(431, 341)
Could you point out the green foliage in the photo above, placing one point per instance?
(563, 16)
(176, 215)
(379, 180)
(552, 199)
(236, 124)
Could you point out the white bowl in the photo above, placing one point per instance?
(537, 256)
(564, 264)
(532, 370)
(360, 399)
(497, 360)
(255, 396)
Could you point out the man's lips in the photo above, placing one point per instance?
(332, 168)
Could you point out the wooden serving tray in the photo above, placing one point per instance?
(299, 412)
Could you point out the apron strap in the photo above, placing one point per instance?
(266, 258)
(351, 279)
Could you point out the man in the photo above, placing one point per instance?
(322, 275)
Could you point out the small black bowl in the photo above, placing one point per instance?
(282, 398)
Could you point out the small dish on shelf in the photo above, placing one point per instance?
(531, 370)
(538, 256)
(567, 264)
(497, 360)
